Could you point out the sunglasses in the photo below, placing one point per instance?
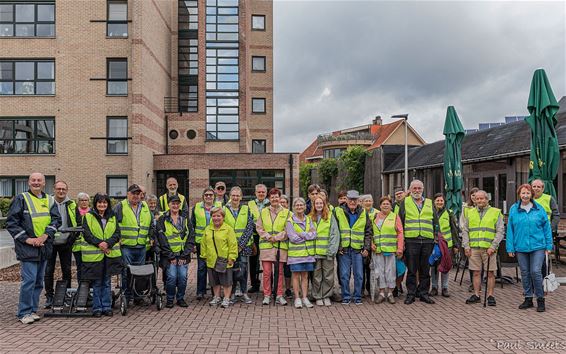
(220, 188)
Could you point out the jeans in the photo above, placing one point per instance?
(101, 294)
(176, 281)
(417, 253)
(79, 263)
(531, 265)
(133, 256)
(351, 260)
(242, 276)
(434, 278)
(65, 257)
(32, 274)
(201, 273)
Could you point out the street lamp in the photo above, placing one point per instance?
(405, 118)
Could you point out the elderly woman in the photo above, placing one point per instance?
(301, 233)
(388, 242)
(83, 207)
(240, 218)
(219, 244)
(284, 201)
(273, 245)
(366, 201)
(152, 203)
(529, 236)
(325, 249)
(200, 218)
(469, 205)
(101, 255)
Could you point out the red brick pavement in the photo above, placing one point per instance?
(447, 326)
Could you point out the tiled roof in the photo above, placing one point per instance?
(384, 132)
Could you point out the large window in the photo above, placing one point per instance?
(27, 77)
(10, 186)
(188, 56)
(258, 146)
(27, 19)
(247, 179)
(333, 153)
(117, 135)
(117, 186)
(258, 22)
(117, 77)
(222, 70)
(27, 136)
(258, 105)
(117, 18)
(258, 63)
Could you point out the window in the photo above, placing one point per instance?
(188, 56)
(247, 179)
(117, 186)
(27, 136)
(117, 19)
(258, 105)
(258, 146)
(258, 23)
(19, 77)
(258, 64)
(10, 186)
(333, 153)
(117, 135)
(27, 19)
(117, 77)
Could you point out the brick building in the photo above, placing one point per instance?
(103, 94)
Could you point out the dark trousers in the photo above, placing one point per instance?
(417, 253)
(366, 284)
(254, 265)
(65, 257)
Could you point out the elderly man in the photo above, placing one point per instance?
(256, 206)
(136, 228)
(62, 243)
(399, 196)
(172, 187)
(482, 231)
(420, 226)
(548, 203)
(221, 197)
(32, 221)
(356, 233)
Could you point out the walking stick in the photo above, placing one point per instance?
(486, 282)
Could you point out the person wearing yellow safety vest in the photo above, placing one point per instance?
(482, 231)
(312, 191)
(387, 243)
(399, 196)
(366, 201)
(273, 245)
(256, 206)
(355, 241)
(63, 241)
(451, 233)
(136, 228)
(221, 198)
(468, 205)
(420, 227)
(101, 254)
(219, 243)
(200, 219)
(240, 218)
(342, 200)
(32, 220)
(301, 255)
(83, 207)
(175, 247)
(172, 189)
(325, 249)
(284, 201)
(548, 203)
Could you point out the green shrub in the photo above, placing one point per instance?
(353, 161)
(305, 171)
(327, 169)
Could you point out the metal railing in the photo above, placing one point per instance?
(350, 136)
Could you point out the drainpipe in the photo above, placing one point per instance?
(291, 178)
(166, 134)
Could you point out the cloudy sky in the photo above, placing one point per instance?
(339, 63)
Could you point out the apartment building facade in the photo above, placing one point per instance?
(106, 93)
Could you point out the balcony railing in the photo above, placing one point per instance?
(351, 136)
(171, 104)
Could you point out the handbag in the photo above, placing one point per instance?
(549, 283)
(221, 263)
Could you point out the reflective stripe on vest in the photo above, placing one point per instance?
(482, 231)
(385, 239)
(444, 223)
(544, 201)
(306, 248)
(39, 212)
(91, 253)
(164, 204)
(322, 236)
(351, 237)
(200, 221)
(133, 234)
(418, 223)
(173, 235)
(274, 227)
(239, 224)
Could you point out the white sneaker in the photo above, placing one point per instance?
(298, 303)
(35, 316)
(319, 302)
(307, 303)
(327, 301)
(27, 319)
(238, 293)
(281, 300)
(225, 303)
(247, 299)
(215, 301)
(266, 300)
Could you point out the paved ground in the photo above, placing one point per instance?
(447, 326)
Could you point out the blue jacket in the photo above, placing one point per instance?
(528, 232)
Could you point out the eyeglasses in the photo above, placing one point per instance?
(209, 195)
(220, 188)
(60, 189)
(84, 200)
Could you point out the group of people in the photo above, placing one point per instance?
(294, 246)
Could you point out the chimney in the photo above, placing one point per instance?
(377, 120)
